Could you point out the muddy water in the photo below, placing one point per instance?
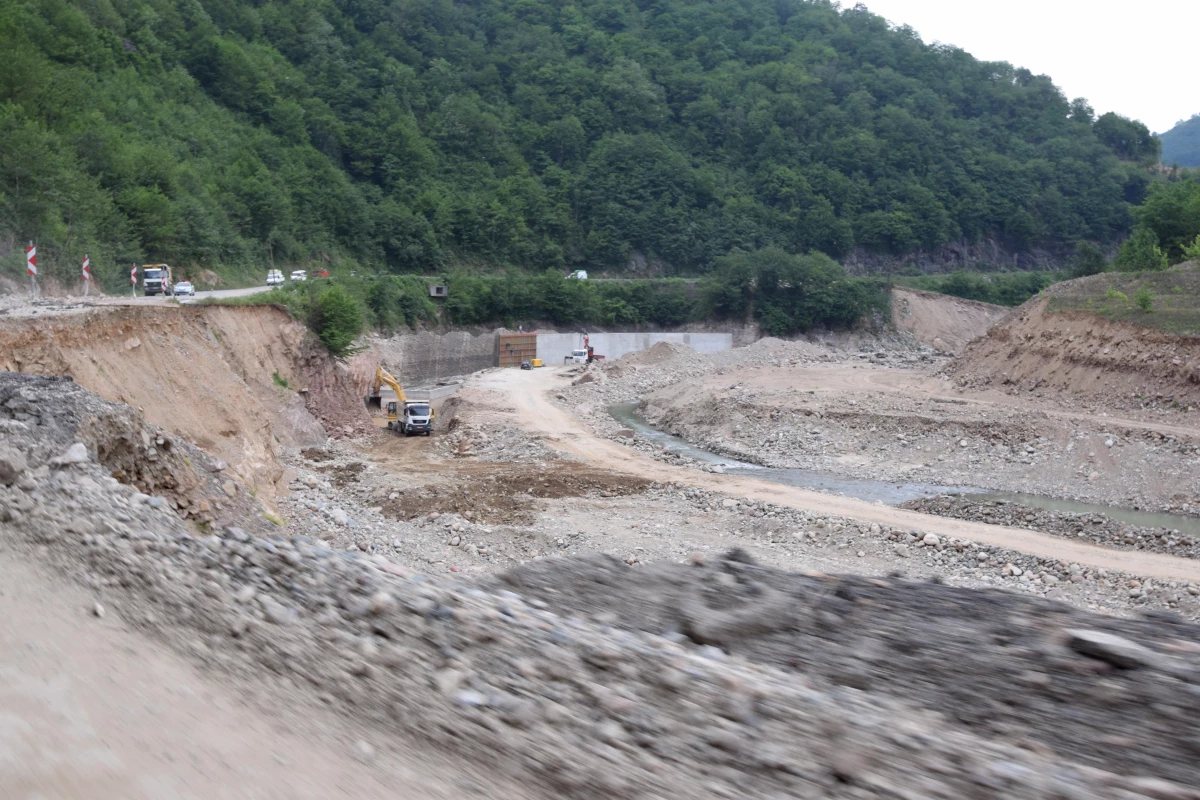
(883, 491)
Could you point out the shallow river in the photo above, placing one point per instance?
(889, 493)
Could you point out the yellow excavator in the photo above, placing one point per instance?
(403, 415)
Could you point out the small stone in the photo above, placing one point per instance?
(245, 594)
(76, 454)
(229, 487)
(156, 502)
(98, 611)
(364, 750)
(381, 602)
(448, 680)
(1109, 442)
(901, 550)
(454, 540)
(963, 443)
(1113, 649)
(12, 464)
(729, 502)
(217, 466)
(626, 433)
(931, 540)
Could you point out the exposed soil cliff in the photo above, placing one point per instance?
(226, 378)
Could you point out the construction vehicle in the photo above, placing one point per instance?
(156, 279)
(585, 355)
(403, 415)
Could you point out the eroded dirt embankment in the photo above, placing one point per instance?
(211, 374)
(943, 322)
(1109, 362)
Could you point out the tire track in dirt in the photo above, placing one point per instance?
(527, 394)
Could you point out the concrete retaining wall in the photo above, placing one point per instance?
(552, 348)
(416, 358)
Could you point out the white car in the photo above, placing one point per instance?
(299, 275)
(274, 277)
(185, 287)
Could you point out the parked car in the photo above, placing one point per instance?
(185, 287)
(526, 365)
(320, 273)
(274, 277)
(579, 275)
(299, 275)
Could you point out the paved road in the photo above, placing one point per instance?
(217, 293)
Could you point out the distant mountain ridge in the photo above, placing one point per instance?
(1181, 144)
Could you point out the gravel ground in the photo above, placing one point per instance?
(579, 707)
(1098, 528)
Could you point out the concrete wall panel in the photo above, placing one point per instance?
(553, 348)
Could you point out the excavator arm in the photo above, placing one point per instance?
(382, 377)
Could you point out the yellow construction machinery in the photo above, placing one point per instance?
(403, 415)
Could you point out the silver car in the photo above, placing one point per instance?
(185, 287)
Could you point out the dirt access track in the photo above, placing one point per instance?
(528, 394)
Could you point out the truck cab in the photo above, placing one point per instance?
(417, 417)
(156, 279)
(578, 357)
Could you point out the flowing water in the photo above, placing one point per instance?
(884, 491)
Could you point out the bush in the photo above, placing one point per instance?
(1140, 253)
(337, 321)
(1144, 298)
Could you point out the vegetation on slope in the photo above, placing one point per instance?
(1181, 144)
(786, 294)
(420, 135)
(1168, 300)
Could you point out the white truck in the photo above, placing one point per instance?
(274, 277)
(156, 279)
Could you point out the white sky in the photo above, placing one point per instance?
(1138, 59)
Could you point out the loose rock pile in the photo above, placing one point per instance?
(595, 680)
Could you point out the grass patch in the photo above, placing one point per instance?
(997, 288)
(1168, 300)
(279, 380)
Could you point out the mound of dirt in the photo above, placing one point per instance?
(995, 663)
(659, 354)
(508, 497)
(943, 322)
(1079, 352)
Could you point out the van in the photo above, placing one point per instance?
(274, 277)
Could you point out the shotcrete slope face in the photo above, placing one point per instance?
(210, 374)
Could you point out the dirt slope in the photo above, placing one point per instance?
(1081, 353)
(206, 373)
(943, 322)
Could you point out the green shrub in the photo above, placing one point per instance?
(337, 321)
(279, 380)
(1115, 294)
(1140, 253)
(1144, 298)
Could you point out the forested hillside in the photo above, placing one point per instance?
(415, 135)
(1181, 144)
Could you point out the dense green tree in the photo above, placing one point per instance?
(412, 135)
(1087, 260)
(1140, 253)
(1172, 212)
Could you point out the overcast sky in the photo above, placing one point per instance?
(1138, 59)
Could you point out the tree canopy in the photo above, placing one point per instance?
(415, 135)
